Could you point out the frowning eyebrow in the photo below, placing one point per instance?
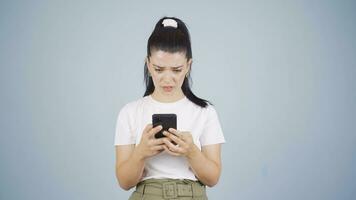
(172, 67)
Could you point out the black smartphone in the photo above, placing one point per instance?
(166, 120)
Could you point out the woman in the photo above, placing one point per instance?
(181, 164)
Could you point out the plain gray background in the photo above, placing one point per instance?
(280, 73)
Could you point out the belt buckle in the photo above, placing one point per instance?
(170, 190)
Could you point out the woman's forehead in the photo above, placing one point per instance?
(165, 59)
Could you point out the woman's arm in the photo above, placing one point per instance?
(130, 159)
(206, 164)
(129, 166)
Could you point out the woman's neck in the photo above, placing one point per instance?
(167, 98)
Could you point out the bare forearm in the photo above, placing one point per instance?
(130, 172)
(206, 170)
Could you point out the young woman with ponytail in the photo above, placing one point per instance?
(183, 163)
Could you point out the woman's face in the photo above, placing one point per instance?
(168, 71)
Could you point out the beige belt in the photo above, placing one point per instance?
(171, 188)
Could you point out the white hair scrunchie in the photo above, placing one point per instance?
(170, 22)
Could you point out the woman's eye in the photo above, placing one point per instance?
(177, 70)
(158, 70)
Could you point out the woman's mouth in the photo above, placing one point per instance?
(167, 88)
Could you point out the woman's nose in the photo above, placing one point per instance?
(167, 75)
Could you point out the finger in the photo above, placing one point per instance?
(176, 132)
(154, 130)
(158, 148)
(174, 138)
(147, 128)
(170, 152)
(157, 152)
(158, 141)
(172, 147)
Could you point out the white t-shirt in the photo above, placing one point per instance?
(202, 123)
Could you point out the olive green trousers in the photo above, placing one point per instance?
(162, 189)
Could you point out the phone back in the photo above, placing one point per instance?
(166, 120)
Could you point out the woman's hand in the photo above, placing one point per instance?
(149, 145)
(184, 143)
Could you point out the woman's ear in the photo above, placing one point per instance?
(147, 65)
(189, 65)
(147, 62)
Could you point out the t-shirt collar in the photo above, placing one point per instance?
(165, 104)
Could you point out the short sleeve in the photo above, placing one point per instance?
(123, 131)
(212, 132)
